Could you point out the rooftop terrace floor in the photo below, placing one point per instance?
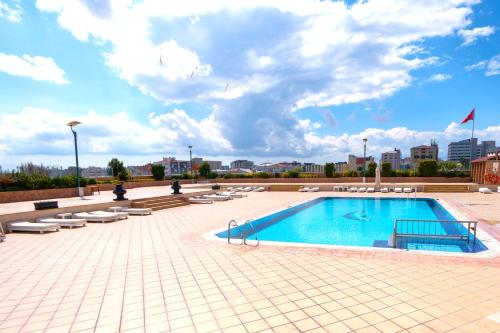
(159, 273)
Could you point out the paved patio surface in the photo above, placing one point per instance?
(159, 274)
(104, 196)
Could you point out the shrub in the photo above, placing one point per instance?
(352, 173)
(386, 170)
(204, 169)
(370, 172)
(428, 168)
(158, 171)
(261, 175)
(228, 176)
(292, 174)
(115, 167)
(329, 169)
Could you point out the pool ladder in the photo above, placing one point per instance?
(243, 234)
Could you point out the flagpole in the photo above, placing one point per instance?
(471, 139)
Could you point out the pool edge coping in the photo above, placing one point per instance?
(489, 241)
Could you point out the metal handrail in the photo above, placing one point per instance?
(231, 223)
(471, 225)
(245, 234)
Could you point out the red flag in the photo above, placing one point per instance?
(469, 117)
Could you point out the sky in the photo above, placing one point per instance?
(266, 80)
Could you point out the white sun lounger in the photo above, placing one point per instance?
(217, 197)
(70, 223)
(362, 189)
(384, 190)
(97, 217)
(232, 194)
(28, 226)
(131, 211)
(398, 190)
(304, 189)
(485, 190)
(353, 189)
(247, 189)
(370, 189)
(313, 189)
(407, 190)
(260, 189)
(200, 200)
(121, 215)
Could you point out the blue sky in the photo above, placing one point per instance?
(263, 80)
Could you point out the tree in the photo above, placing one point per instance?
(293, 173)
(329, 169)
(204, 169)
(386, 169)
(116, 168)
(371, 169)
(428, 168)
(158, 171)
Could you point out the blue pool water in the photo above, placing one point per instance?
(357, 222)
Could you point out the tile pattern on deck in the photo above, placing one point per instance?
(158, 274)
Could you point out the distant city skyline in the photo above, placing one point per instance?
(147, 79)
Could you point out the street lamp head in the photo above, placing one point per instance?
(190, 146)
(365, 139)
(73, 123)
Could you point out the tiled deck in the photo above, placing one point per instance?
(159, 274)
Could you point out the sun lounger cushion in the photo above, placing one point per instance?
(96, 217)
(121, 215)
(64, 222)
(28, 226)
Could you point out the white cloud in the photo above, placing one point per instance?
(35, 131)
(471, 35)
(256, 62)
(491, 67)
(439, 77)
(42, 131)
(36, 67)
(12, 12)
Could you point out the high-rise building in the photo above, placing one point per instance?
(174, 167)
(355, 163)
(214, 165)
(423, 152)
(393, 157)
(313, 168)
(241, 164)
(461, 150)
(341, 167)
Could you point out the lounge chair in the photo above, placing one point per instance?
(304, 189)
(230, 188)
(398, 190)
(498, 190)
(232, 194)
(108, 217)
(215, 197)
(131, 211)
(384, 190)
(28, 226)
(361, 189)
(407, 190)
(262, 189)
(247, 189)
(121, 215)
(70, 223)
(370, 189)
(238, 189)
(200, 200)
(313, 189)
(353, 189)
(485, 190)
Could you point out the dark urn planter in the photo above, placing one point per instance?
(45, 205)
(176, 187)
(216, 187)
(119, 191)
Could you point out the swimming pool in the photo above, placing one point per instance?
(363, 221)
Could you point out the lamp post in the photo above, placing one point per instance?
(364, 160)
(191, 162)
(72, 124)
